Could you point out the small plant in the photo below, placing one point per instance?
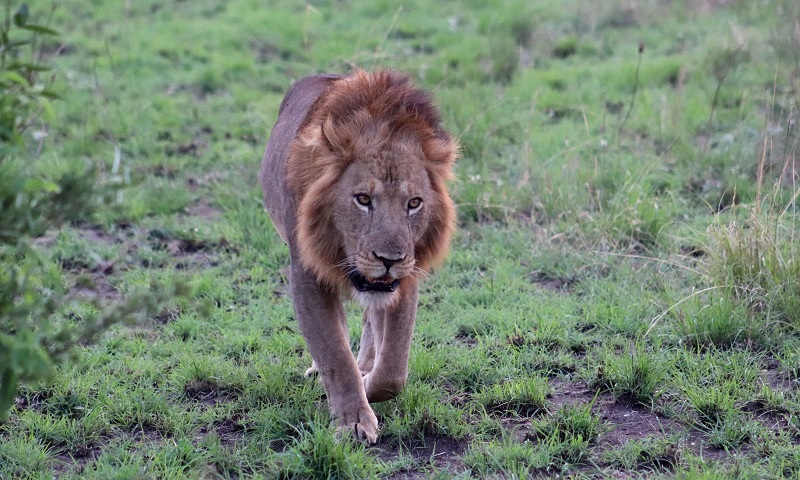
(784, 461)
(713, 405)
(566, 47)
(790, 360)
(637, 216)
(418, 412)
(722, 62)
(634, 92)
(504, 58)
(25, 458)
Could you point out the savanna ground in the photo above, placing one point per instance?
(621, 299)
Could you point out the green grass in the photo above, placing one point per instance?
(621, 299)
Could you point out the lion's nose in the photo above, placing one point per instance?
(389, 259)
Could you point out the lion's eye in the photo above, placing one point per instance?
(363, 200)
(414, 203)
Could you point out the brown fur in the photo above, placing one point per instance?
(359, 112)
(339, 140)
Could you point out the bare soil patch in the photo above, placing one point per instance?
(202, 208)
(626, 421)
(553, 283)
(209, 393)
(435, 451)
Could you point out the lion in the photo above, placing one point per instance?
(355, 179)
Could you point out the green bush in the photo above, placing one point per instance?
(26, 93)
(32, 338)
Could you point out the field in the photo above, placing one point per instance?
(621, 299)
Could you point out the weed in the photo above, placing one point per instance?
(785, 461)
(731, 431)
(638, 219)
(24, 457)
(26, 91)
(419, 413)
(713, 405)
(504, 59)
(722, 62)
(176, 459)
(566, 47)
(634, 92)
(790, 360)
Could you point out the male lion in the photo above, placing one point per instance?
(354, 178)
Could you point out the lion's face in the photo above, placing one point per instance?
(381, 211)
(369, 172)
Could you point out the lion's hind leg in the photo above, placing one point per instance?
(312, 370)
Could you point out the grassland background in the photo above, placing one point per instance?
(621, 299)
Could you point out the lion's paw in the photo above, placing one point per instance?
(312, 370)
(363, 425)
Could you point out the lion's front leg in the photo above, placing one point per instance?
(392, 329)
(313, 370)
(366, 351)
(321, 318)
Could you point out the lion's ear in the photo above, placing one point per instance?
(335, 140)
(441, 150)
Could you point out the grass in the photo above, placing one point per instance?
(621, 299)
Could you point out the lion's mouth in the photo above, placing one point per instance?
(383, 284)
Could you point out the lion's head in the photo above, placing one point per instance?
(369, 170)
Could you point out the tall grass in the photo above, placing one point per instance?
(758, 261)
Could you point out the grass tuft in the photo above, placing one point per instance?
(718, 322)
(569, 433)
(507, 458)
(651, 454)
(419, 413)
(318, 453)
(637, 377)
(524, 397)
(758, 260)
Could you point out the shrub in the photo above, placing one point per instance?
(32, 338)
(26, 93)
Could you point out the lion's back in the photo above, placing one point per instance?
(292, 115)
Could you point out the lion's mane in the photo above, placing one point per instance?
(361, 111)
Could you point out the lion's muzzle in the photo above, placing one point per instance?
(384, 284)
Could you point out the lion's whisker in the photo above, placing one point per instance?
(421, 272)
